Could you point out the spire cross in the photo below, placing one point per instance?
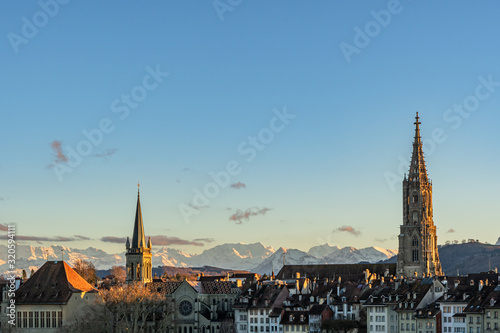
(416, 120)
(138, 188)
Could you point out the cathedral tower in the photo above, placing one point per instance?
(418, 254)
(138, 253)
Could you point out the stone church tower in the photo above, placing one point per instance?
(138, 254)
(418, 254)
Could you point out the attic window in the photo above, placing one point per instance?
(492, 301)
(301, 317)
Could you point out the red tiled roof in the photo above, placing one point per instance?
(53, 283)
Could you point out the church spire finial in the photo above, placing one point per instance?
(138, 238)
(139, 187)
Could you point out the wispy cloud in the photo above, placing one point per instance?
(164, 240)
(238, 185)
(56, 147)
(107, 152)
(42, 238)
(160, 240)
(240, 215)
(204, 240)
(383, 240)
(185, 169)
(112, 239)
(348, 229)
(450, 231)
(80, 237)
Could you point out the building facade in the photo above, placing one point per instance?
(418, 254)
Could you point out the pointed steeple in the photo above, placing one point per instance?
(418, 171)
(138, 238)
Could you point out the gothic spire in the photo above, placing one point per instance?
(417, 172)
(138, 239)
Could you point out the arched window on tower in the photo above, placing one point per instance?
(414, 251)
(415, 198)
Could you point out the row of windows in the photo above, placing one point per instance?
(256, 320)
(407, 327)
(262, 312)
(456, 309)
(488, 314)
(455, 330)
(488, 326)
(300, 328)
(39, 319)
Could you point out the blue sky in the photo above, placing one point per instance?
(327, 173)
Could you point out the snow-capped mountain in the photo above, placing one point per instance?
(351, 255)
(292, 257)
(30, 257)
(171, 257)
(233, 256)
(254, 257)
(322, 250)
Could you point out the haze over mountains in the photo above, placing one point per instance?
(456, 258)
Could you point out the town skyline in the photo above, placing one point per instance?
(304, 132)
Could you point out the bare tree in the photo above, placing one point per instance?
(86, 270)
(119, 274)
(129, 308)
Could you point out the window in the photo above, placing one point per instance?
(415, 249)
(42, 319)
(37, 320)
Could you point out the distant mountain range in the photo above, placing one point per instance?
(237, 256)
(461, 258)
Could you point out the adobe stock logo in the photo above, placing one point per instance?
(455, 116)
(71, 157)
(372, 29)
(30, 28)
(249, 149)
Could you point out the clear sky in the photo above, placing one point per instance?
(309, 105)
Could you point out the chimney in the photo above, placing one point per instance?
(338, 286)
(297, 275)
(480, 284)
(367, 273)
